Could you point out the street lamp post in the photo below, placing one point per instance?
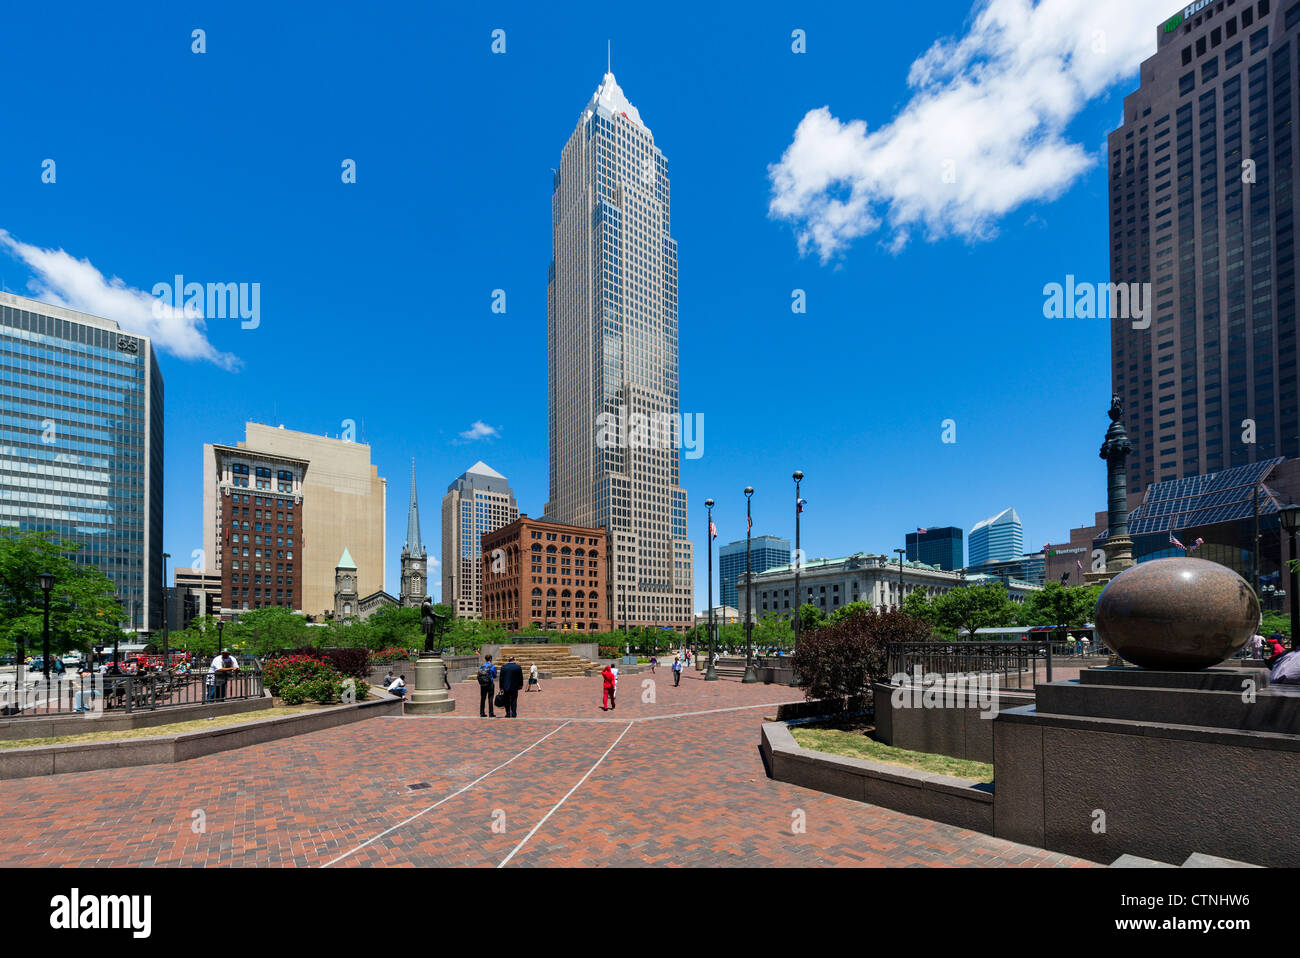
(901, 553)
(1291, 523)
(165, 557)
(798, 555)
(751, 674)
(710, 674)
(46, 581)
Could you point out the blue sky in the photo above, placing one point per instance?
(376, 297)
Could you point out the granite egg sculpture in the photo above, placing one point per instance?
(1177, 614)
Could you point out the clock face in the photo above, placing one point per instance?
(416, 567)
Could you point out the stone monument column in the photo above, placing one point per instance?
(430, 696)
(1115, 450)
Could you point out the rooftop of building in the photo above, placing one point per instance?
(61, 312)
(1002, 518)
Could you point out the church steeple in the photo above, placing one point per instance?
(415, 572)
(413, 544)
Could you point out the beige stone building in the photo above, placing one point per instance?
(344, 505)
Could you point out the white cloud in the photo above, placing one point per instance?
(480, 430)
(63, 280)
(994, 104)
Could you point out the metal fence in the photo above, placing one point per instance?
(72, 694)
(1018, 663)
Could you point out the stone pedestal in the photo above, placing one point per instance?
(430, 696)
(1156, 763)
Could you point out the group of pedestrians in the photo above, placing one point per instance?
(510, 680)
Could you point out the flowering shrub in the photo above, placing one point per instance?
(290, 671)
(355, 662)
(610, 652)
(394, 655)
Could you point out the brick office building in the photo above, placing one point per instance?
(546, 574)
(257, 520)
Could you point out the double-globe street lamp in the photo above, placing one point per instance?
(751, 674)
(710, 674)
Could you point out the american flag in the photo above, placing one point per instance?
(713, 530)
(749, 523)
(1175, 542)
(1078, 565)
(1196, 545)
(922, 531)
(799, 504)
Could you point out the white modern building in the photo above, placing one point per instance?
(612, 343)
(877, 580)
(479, 501)
(996, 539)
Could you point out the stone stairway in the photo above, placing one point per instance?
(557, 660)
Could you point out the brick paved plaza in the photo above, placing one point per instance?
(676, 782)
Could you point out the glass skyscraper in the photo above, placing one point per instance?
(81, 444)
(997, 538)
(613, 373)
(1202, 207)
(765, 552)
(940, 547)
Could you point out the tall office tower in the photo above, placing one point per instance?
(1202, 207)
(766, 552)
(997, 538)
(612, 340)
(345, 503)
(82, 447)
(415, 561)
(940, 547)
(479, 501)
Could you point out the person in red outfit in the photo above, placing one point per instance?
(608, 697)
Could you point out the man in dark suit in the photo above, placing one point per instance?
(512, 681)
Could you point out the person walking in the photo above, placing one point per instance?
(532, 678)
(677, 670)
(654, 662)
(487, 680)
(607, 698)
(512, 680)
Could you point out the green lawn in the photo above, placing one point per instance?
(856, 740)
(175, 728)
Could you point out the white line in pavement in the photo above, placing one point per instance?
(505, 861)
(447, 798)
(612, 721)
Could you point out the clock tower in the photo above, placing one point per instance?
(415, 561)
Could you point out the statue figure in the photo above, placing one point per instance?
(1116, 408)
(431, 624)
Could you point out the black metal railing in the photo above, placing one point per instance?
(1018, 663)
(73, 694)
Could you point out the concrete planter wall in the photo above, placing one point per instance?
(956, 732)
(54, 726)
(89, 756)
(941, 798)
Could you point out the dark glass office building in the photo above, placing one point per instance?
(1202, 207)
(81, 444)
(938, 547)
(766, 552)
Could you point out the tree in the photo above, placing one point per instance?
(810, 617)
(844, 611)
(919, 605)
(847, 657)
(973, 607)
(1059, 605)
(773, 631)
(84, 610)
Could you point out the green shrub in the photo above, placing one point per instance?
(290, 670)
(293, 694)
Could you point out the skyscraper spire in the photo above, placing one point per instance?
(413, 544)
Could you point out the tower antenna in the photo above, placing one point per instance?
(608, 57)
